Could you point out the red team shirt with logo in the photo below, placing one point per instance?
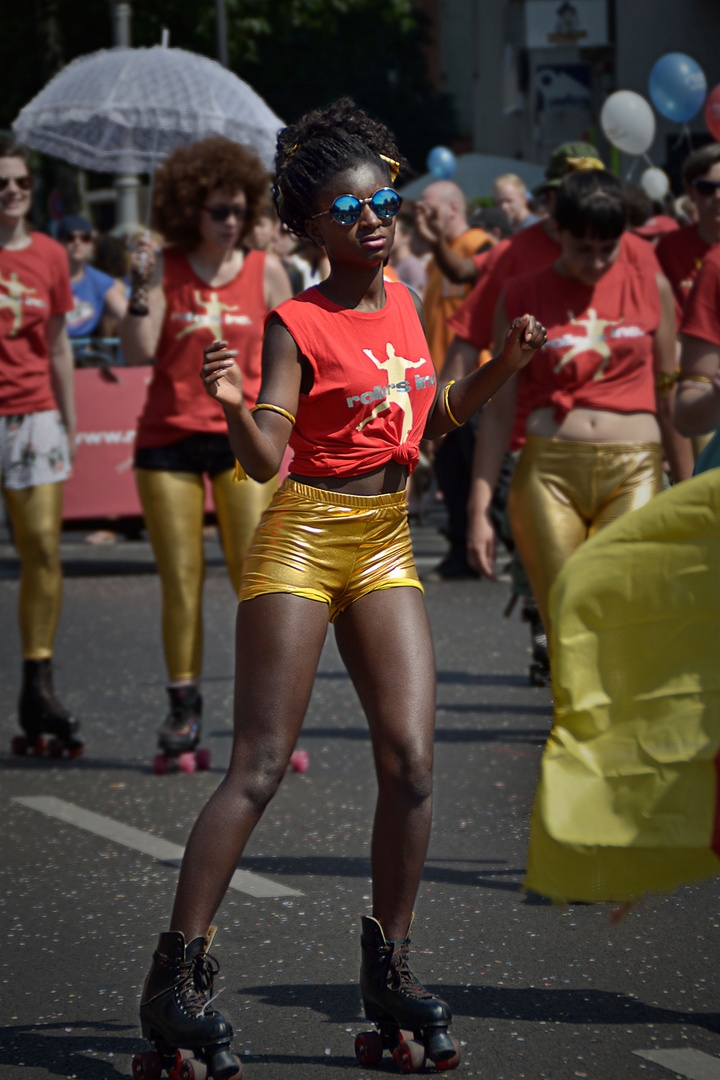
(374, 383)
(599, 353)
(680, 254)
(197, 314)
(701, 317)
(34, 286)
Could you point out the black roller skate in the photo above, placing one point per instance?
(411, 1022)
(179, 736)
(41, 714)
(540, 663)
(191, 1040)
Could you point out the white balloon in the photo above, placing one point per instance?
(655, 184)
(628, 122)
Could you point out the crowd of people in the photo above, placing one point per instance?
(553, 361)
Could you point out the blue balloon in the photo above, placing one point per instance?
(441, 162)
(677, 87)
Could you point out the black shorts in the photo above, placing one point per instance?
(199, 454)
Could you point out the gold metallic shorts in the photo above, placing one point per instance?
(564, 491)
(330, 546)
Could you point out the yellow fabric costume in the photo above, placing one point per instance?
(627, 801)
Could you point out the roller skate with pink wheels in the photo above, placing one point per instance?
(410, 1022)
(190, 1039)
(48, 728)
(180, 734)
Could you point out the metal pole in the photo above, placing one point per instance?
(127, 212)
(221, 28)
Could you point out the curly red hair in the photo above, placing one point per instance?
(192, 172)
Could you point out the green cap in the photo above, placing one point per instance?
(557, 165)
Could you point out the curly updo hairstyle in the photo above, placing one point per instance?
(320, 145)
(193, 172)
(591, 203)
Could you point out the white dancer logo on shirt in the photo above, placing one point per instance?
(395, 392)
(594, 341)
(212, 319)
(17, 297)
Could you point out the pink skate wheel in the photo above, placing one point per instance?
(192, 1069)
(56, 748)
(147, 1066)
(19, 745)
(368, 1047)
(202, 758)
(299, 761)
(409, 1056)
(454, 1061)
(160, 765)
(38, 747)
(186, 763)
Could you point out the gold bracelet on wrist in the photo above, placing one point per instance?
(688, 377)
(276, 409)
(448, 410)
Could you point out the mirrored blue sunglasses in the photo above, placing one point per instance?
(347, 208)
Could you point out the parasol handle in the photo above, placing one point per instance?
(164, 44)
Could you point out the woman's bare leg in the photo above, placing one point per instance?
(278, 643)
(385, 642)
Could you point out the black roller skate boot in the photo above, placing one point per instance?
(411, 1022)
(540, 663)
(190, 1038)
(41, 714)
(179, 736)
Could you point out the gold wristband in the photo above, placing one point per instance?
(665, 382)
(688, 377)
(448, 410)
(275, 408)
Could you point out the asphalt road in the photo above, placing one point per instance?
(89, 848)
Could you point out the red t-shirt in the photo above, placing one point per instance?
(701, 317)
(197, 314)
(34, 286)
(528, 250)
(680, 254)
(600, 338)
(374, 383)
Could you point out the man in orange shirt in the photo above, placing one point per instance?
(444, 203)
(443, 206)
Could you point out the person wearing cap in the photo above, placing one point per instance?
(681, 252)
(95, 293)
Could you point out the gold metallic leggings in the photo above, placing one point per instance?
(564, 491)
(36, 516)
(173, 504)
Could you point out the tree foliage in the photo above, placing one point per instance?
(297, 54)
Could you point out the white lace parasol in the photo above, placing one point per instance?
(117, 109)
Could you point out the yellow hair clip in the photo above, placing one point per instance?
(582, 164)
(393, 166)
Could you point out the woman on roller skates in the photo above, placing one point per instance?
(348, 382)
(37, 442)
(206, 283)
(599, 397)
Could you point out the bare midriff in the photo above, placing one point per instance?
(595, 425)
(388, 478)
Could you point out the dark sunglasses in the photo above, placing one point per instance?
(86, 237)
(22, 182)
(347, 208)
(222, 213)
(706, 187)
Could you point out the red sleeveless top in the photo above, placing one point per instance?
(374, 383)
(600, 338)
(197, 314)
